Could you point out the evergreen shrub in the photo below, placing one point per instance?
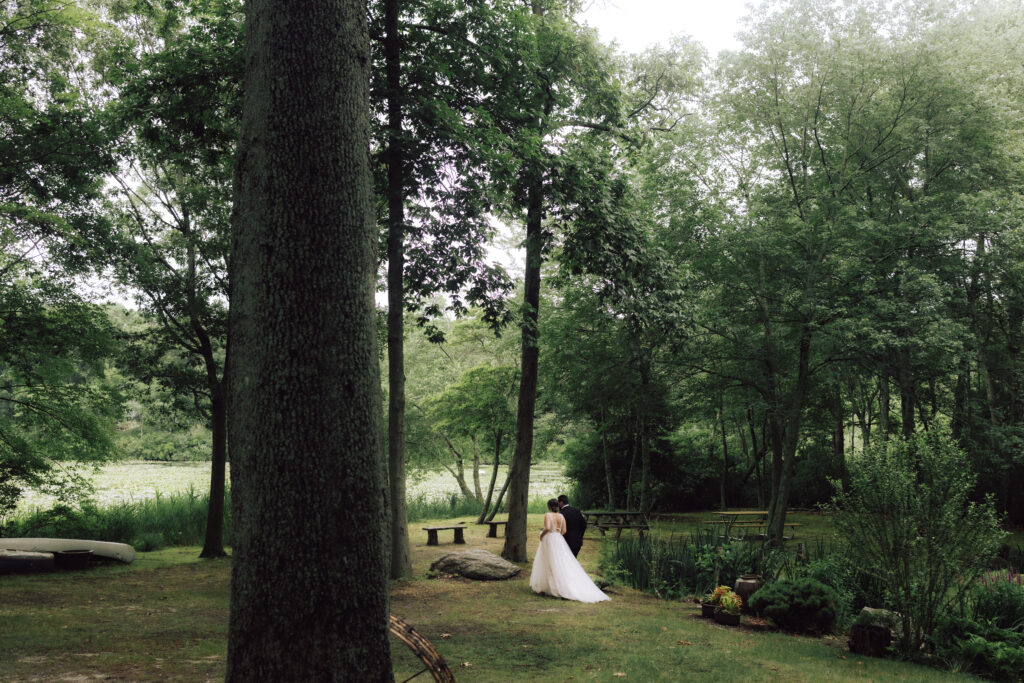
(798, 605)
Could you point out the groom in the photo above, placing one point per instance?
(575, 525)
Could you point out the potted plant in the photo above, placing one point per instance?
(727, 611)
(710, 602)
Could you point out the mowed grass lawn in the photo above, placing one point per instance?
(164, 618)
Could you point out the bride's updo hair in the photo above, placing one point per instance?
(553, 505)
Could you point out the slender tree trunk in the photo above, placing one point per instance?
(609, 479)
(497, 505)
(908, 395)
(401, 564)
(213, 544)
(460, 469)
(794, 413)
(498, 433)
(711, 457)
(646, 501)
(514, 549)
(883, 405)
(476, 470)
(631, 475)
(838, 431)
(309, 586)
(725, 453)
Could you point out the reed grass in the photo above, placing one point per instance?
(166, 519)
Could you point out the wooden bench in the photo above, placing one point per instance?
(432, 533)
(492, 532)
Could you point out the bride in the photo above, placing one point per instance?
(555, 570)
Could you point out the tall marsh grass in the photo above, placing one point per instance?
(166, 519)
(425, 506)
(180, 518)
(691, 565)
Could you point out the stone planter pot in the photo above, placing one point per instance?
(747, 585)
(72, 559)
(867, 639)
(707, 610)
(727, 618)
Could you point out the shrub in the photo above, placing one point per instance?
(982, 649)
(798, 605)
(834, 572)
(906, 521)
(998, 598)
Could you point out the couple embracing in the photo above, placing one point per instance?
(555, 568)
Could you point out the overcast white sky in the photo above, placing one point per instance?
(638, 24)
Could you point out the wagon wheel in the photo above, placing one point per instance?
(422, 648)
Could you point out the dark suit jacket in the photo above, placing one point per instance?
(575, 525)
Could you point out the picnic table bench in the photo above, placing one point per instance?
(604, 520)
(432, 533)
(492, 531)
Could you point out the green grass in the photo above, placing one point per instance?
(164, 618)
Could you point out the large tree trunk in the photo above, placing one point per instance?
(401, 564)
(309, 587)
(514, 549)
(213, 544)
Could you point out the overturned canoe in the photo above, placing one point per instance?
(108, 549)
(25, 561)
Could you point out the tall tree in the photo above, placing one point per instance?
(309, 584)
(171, 210)
(439, 149)
(52, 160)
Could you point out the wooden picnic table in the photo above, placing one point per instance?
(603, 520)
(748, 519)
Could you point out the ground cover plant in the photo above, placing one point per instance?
(164, 618)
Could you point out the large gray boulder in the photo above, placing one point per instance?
(475, 564)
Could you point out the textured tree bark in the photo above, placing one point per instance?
(401, 563)
(309, 589)
(514, 549)
(794, 412)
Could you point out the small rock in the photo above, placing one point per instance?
(475, 564)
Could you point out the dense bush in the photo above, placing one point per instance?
(798, 605)
(982, 649)
(906, 521)
(835, 572)
(998, 598)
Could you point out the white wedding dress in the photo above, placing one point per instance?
(557, 572)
